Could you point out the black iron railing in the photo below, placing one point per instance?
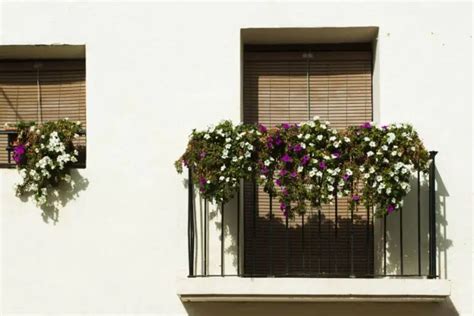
(345, 258)
(12, 135)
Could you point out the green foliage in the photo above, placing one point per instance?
(308, 163)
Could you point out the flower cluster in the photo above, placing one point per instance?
(307, 163)
(44, 154)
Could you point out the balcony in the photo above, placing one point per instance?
(246, 251)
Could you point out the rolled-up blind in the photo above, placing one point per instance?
(293, 87)
(41, 91)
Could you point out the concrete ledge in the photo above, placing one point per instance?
(235, 289)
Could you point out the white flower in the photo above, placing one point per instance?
(372, 144)
(384, 147)
(388, 190)
(370, 153)
(300, 136)
(371, 169)
(347, 139)
(249, 168)
(228, 140)
(312, 173)
(390, 137)
(366, 175)
(394, 153)
(319, 174)
(227, 146)
(247, 154)
(221, 178)
(361, 168)
(319, 137)
(323, 126)
(315, 118)
(300, 169)
(332, 138)
(349, 172)
(307, 136)
(379, 178)
(367, 139)
(227, 179)
(223, 167)
(330, 188)
(250, 147)
(266, 162)
(234, 159)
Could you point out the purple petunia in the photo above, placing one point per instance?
(304, 160)
(355, 198)
(283, 172)
(18, 153)
(322, 165)
(385, 127)
(286, 158)
(277, 140)
(262, 128)
(346, 177)
(264, 170)
(390, 208)
(278, 182)
(285, 125)
(293, 174)
(336, 154)
(283, 206)
(202, 155)
(284, 191)
(202, 181)
(366, 125)
(297, 148)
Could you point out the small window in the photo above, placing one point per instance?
(41, 90)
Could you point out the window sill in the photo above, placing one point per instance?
(235, 289)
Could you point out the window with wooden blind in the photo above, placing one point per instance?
(41, 91)
(293, 86)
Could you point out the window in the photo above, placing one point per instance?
(293, 83)
(41, 90)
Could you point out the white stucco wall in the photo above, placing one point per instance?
(157, 70)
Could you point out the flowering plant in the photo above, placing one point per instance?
(308, 162)
(43, 154)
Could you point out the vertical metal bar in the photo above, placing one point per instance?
(302, 243)
(270, 249)
(206, 222)
(367, 240)
(319, 241)
(254, 228)
(190, 223)
(238, 232)
(385, 244)
(352, 243)
(336, 248)
(287, 249)
(432, 216)
(419, 220)
(222, 239)
(401, 241)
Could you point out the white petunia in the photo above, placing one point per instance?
(370, 153)
(372, 144)
(319, 137)
(223, 167)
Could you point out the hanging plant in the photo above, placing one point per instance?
(44, 154)
(308, 163)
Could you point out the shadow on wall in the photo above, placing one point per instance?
(61, 196)
(445, 308)
(410, 233)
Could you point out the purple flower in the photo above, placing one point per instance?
(293, 174)
(366, 125)
(286, 158)
(283, 172)
(18, 153)
(297, 148)
(346, 177)
(264, 170)
(385, 127)
(285, 125)
(336, 154)
(202, 181)
(283, 206)
(262, 128)
(304, 160)
(284, 191)
(355, 198)
(277, 140)
(278, 182)
(202, 155)
(390, 208)
(322, 165)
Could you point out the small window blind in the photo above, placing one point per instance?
(294, 86)
(41, 91)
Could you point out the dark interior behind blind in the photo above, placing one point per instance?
(41, 91)
(293, 86)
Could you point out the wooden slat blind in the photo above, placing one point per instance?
(41, 91)
(293, 87)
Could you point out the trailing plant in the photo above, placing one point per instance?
(44, 154)
(307, 164)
